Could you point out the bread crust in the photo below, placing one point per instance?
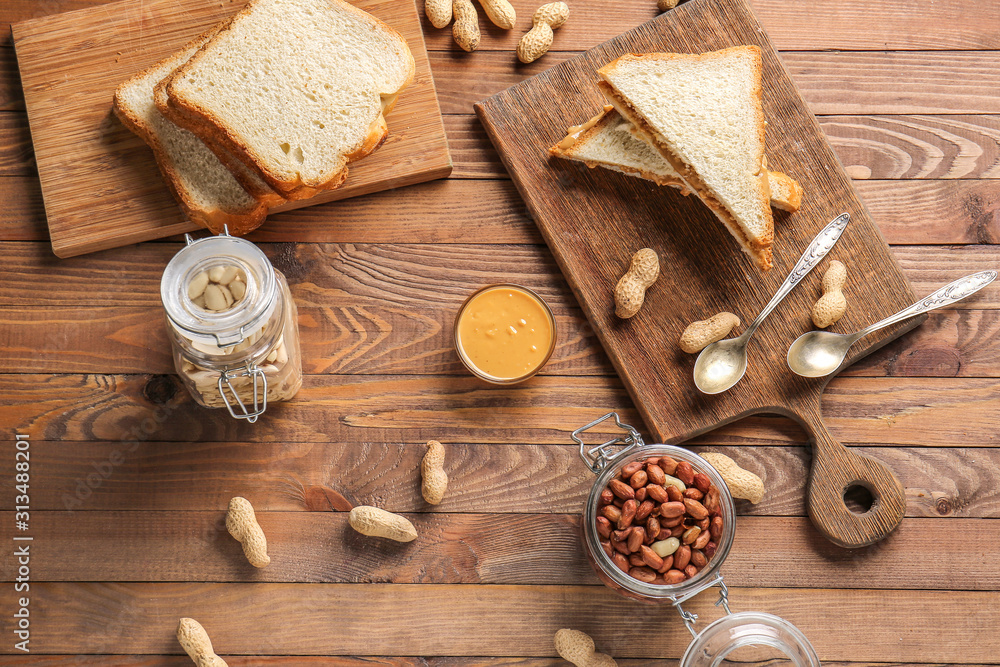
(581, 134)
(238, 222)
(759, 249)
(198, 119)
(792, 199)
(788, 197)
(241, 171)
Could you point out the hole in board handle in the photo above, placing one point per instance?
(859, 498)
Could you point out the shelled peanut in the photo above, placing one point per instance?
(660, 520)
(218, 288)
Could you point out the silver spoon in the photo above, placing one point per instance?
(723, 363)
(818, 353)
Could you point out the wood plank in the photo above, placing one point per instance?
(23, 216)
(918, 82)
(436, 276)
(880, 147)
(793, 24)
(437, 212)
(954, 212)
(871, 147)
(100, 183)
(962, 211)
(16, 156)
(539, 549)
(11, 95)
(908, 146)
(349, 619)
(927, 412)
(323, 476)
(951, 343)
(348, 338)
(381, 338)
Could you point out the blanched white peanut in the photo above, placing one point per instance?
(214, 298)
(229, 273)
(664, 548)
(673, 481)
(218, 288)
(238, 289)
(215, 273)
(197, 285)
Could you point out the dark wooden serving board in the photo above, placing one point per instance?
(594, 219)
(100, 184)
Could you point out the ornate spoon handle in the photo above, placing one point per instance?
(815, 252)
(947, 295)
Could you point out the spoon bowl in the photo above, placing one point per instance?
(818, 353)
(721, 365)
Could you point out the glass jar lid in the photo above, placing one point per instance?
(750, 636)
(227, 327)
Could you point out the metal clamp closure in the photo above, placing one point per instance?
(259, 399)
(598, 457)
(690, 618)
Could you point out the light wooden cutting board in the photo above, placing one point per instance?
(594, 219)
(100, 184)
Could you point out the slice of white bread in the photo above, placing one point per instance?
(607, 141)
(251, 181)
(704, 114)
(206, 190)
(296, 89)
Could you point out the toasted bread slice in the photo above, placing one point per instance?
(296, 89)
(606, 141)
(206, 190)
(704, 114)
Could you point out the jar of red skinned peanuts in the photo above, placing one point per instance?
(664, 567)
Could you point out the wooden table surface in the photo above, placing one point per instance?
(129, 480)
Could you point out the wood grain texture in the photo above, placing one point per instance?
(918, 82)
(928, 179)
(916, 212)
(393, 312)
(350, 338)
(594, 239)
(871, 147)
(538, 549)
(435, 275)
(16, 156)
(100, 184)
(349, 619)
(907, 146)
(331, 476)
(931, 412)
(380, 338)
(793, 24)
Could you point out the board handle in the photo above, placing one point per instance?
(837, 473)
